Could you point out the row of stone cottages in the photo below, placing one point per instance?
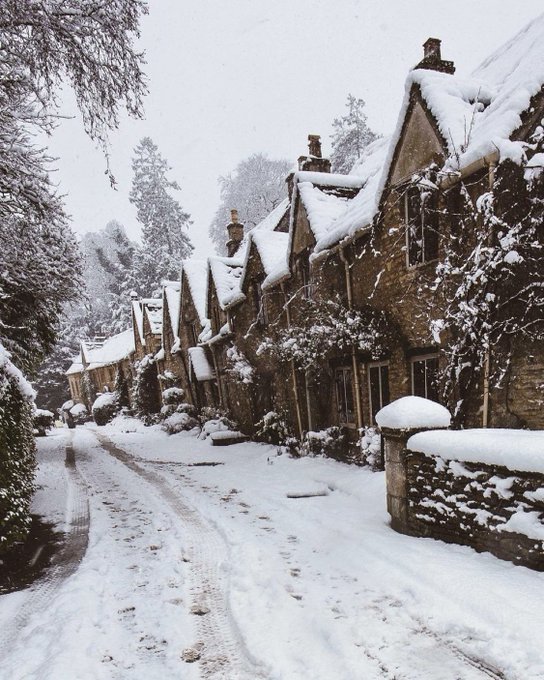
(345, 252)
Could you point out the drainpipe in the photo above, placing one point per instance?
(293, 371)
(487, 359)
(355, 368)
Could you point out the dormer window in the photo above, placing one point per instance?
(421, 219)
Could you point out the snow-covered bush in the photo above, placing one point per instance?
(371, 448)
(17, 462)
(121, 388)
(145, 391)
(179, 422)
(104, 408)
(79, 413)
(238, 366)
(173, 395)
(43, 420)
(273, 428)
(330, 442)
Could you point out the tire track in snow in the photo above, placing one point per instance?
(67, 559)
(224, 655)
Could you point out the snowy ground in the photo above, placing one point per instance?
(221, 562)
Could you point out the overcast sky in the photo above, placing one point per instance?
(228, 78)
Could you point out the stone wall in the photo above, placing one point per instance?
(477, 505)
(485, 506)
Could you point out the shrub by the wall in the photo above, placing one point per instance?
(105, 407)
(43, 421)
(17, 460)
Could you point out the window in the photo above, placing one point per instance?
(344, 395)
(421, 215)
(424, 376)
(378, 388)
(259, 304)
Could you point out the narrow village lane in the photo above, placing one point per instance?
(215, 556)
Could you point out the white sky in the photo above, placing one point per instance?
(228, 78)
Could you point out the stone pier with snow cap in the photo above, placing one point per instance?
(398, 421)
(483, 487)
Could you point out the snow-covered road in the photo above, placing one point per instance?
(212, 551)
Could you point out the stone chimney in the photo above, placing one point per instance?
(236, 233)
(432, 58)
(314, 162)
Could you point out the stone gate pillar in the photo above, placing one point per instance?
(398, 421)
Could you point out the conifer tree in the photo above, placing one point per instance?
(350, 137)
(165, 242)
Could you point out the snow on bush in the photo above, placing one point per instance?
(330, 442)
(79, 413)
(104, 408)
(412, 413)
(43, 420)
(179, 422)
(371, 448)
(172, 395)
(17, 461)
(238, 366)
(68, 405)
(273, 428)
(145, 395)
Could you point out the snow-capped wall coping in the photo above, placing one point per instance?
(413, 413)
(517, 450)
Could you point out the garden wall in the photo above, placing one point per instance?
(483, 488)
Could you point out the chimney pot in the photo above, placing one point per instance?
(236, 233)
(432, 58)
(314, 162)
(431, 49)
(314, 145)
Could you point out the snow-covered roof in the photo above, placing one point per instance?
(271, 245)
(75, 367)
(478, 115)
(171, 297)
(138, 319)
(201, 366)
(196, 272)
(322, 208)
(329, 179)
(226, 273)
(360, 210)
(113, 350)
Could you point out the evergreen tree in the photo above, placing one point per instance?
(165, 242)
(121, 388)
(254, 188)
(351, 135)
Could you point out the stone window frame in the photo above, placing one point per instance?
(426, 357)
(432, 226)
(369, 366)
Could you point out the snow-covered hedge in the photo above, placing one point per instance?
(104, 408)
(330, 442)
(79, 413)
(17, 461)
(179, 422)
(173, 395)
